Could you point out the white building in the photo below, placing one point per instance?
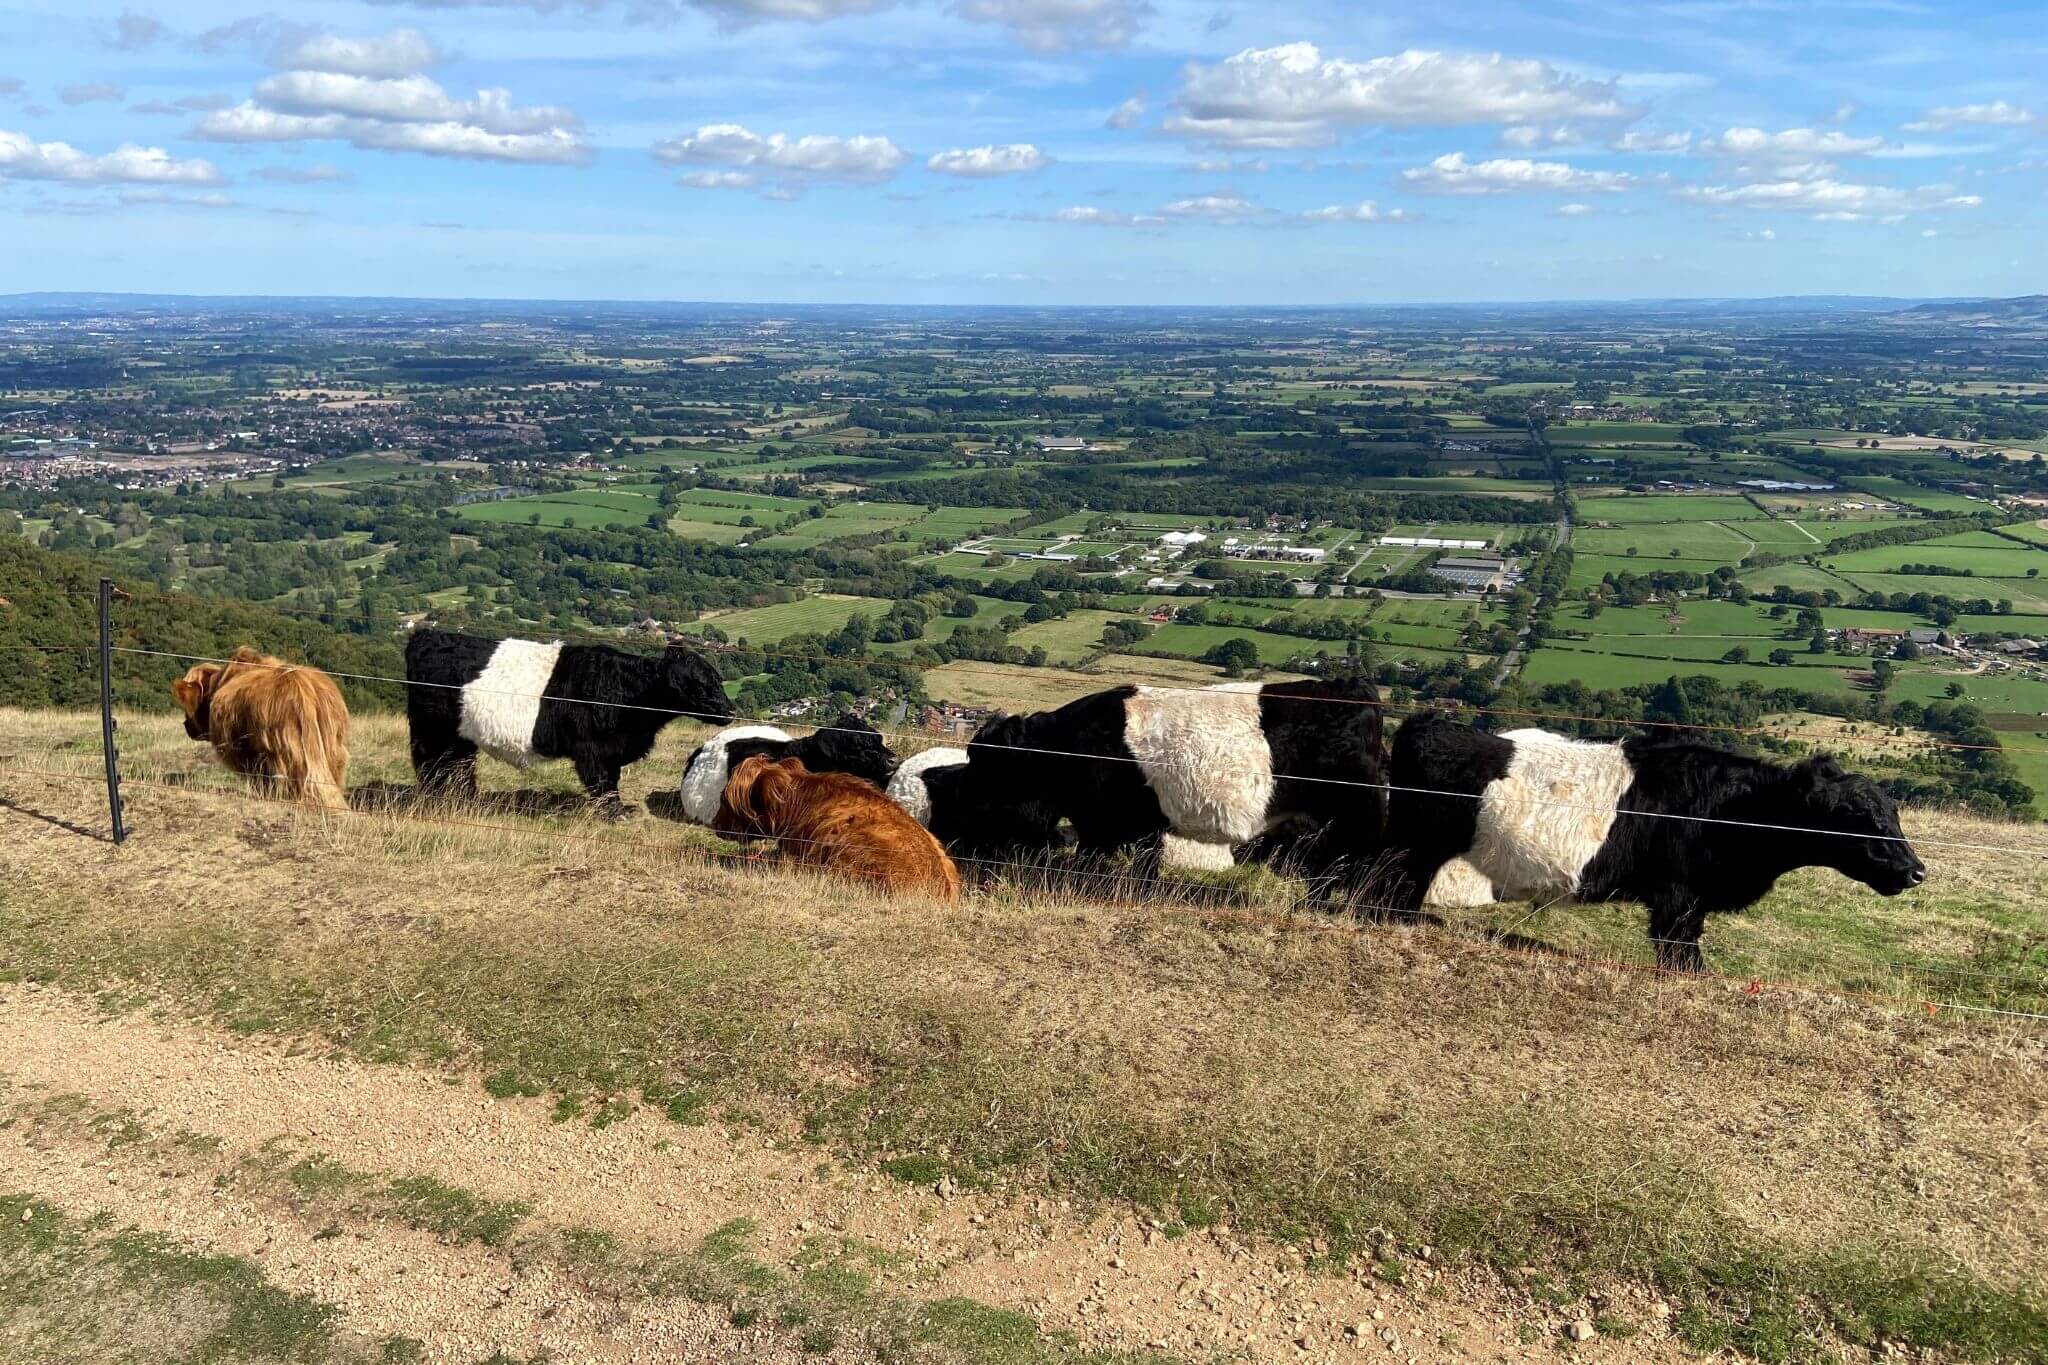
(1432, 543)
(1181, 540)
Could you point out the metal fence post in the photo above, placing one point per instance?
(107, 594)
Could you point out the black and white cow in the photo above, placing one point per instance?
(848, 745)
(524, 701)
(1218, 766)
(982, 829)
(1686, 828)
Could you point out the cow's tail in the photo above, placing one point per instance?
(313, 738)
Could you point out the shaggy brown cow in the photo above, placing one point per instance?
(835, 821)
(283, 725)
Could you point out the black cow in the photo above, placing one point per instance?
(1686, 828)
(1218, 765)
(848, 745)
(524, 701)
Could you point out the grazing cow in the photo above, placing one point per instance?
(837, 822)
(1686, 828)
(1219, 765)
(283, 725)
(848, 745)
(524, 701)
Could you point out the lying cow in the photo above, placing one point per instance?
(848, 745)
(1686, 828)
(982, 829)
(524, 701)
(1219, 765)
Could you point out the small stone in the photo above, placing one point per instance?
(1661, 1309)
(1580, 1330)
(1379, 1315)
(27, 1215)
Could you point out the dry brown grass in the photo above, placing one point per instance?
(1209, 1062)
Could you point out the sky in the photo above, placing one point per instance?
(1236, 152)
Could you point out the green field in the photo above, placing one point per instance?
(1070, 639)
(1630, 509)
(607, 509)
(1605, 433)
(1799, 578)
(1984, 556)
(1560, 663)
(2026, 595)
(1191, 642)
(1708, 541)
(1898, 490)
(812, 615)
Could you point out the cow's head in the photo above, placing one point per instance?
(694, 688)
(759, 797)
(194, 695)
(848, 745)
(1863, 838)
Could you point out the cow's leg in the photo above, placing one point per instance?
(1676, 923)
(447, 769)
(599, 773)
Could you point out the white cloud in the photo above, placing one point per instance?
(1363, 212)
(401, 52)
(1089, 216)
(1793, 144)
(209, 200)
(1224, 208)
(1127, 114)
(1997, 114)
(91, 92)
(249, 123)
(189, 104)
(1529, 136)
(1929, 232)
(133, 32)
(332, 94)
(411, 99)
(786, 163)
(1292, 96)
(1573, 210)
(981, 163)
(716, 180)
(1645, 141)
(1452, 174)
(1061, 25)
(1829, 200)
(23, 158)
(319, 173)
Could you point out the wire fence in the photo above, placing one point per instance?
(1207, 904)
(1166, 893)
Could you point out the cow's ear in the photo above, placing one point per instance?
(1822, 769)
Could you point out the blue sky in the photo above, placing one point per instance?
(1025, 151)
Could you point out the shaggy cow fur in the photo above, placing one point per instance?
(1545, 815)
(835, 821)
(524, 701)
(1220, 765)
(848, 745)
(283, 725)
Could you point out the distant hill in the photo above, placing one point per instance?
(2028, 310)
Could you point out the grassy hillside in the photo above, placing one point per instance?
(1785, 1169)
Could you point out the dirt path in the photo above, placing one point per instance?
(653, 1184)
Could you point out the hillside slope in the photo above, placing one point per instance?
(1015, 1130)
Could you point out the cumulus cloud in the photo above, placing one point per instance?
(717, 180)
(133, 32)
(368, 93)
(91, 92)
(1997, 114)
(1642, 140)
(1830, 200)
(1293, 96)
(1087, 215)
(23, 158)
(1127, 114)
(1573, 210)
(1363, 212)
(1225, 207)
(319, 173)
(1061, 25)
(1529, 136)
(784, 164)
(982, 163)
(1451, 173)
(1793, 144)
(401, 52)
